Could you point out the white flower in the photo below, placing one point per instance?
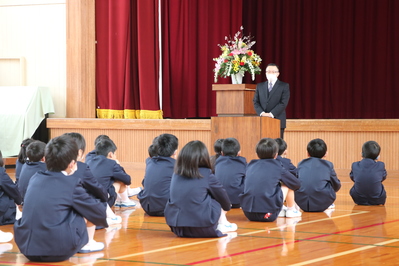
(237, 57)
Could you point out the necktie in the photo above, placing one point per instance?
(270, 86)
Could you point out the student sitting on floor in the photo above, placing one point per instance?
(217, 148)
(319, 182)
(282, 156)
(230, 169)
(9, 196)
(35, 162)
(267, 185)
(368, 175)
(130, 191)
(21, 159)
(56, 208)
(106, 169)
(91, 184)
(196, 196)
(158, 173)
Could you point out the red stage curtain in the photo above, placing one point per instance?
(127, 59)
(191, 31)
(340, 57)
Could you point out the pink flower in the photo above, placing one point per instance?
(239, 51)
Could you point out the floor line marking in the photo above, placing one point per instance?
(295, 241)
(344, 253)
(309, 222)
(213, 240)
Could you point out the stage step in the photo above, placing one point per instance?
(9, 161)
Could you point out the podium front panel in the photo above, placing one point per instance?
(248, 130)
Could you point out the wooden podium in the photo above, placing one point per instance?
(234, 99)
(237, 118)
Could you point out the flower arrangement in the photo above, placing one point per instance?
(237, 57)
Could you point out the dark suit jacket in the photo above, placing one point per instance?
(52, 222)
(9, 195)
(368, 176)
(319, 182)
(262, 188)
(274, 102)
(28, 170)
(107, 171)
(288, 165)
(196, 202)
(90, 183)
(231, 173)
(18, 169)
(156, 183)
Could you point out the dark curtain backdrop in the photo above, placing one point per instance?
(339, 56)
(191, 31)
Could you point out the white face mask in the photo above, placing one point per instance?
(271, 77)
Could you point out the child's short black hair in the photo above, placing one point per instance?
(371, 150)
(80, 140)
(99, 138)
(266, 148)
(217, 146)
(153, 148)
(317, 148)
(22, 152)
(60, 152)
(166, 144)
(105, 146)
(193, 156)
(35, 151)
(152, 151)
(282, 145)
(230, 147)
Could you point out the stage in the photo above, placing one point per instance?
(344, 138)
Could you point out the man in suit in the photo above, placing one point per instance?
(271, 97)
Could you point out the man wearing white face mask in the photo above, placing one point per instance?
(272, 96)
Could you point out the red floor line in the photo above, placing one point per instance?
(26, 263)
(296, 241)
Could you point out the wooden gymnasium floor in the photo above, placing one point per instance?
(352, 235)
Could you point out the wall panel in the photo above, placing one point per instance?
(344, 138)
(35, 30)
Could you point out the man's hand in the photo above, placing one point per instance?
(266, 114)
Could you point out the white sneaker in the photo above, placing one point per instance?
(283, 211)
(329, 212)
(114, 227)
(114, 220)
(5, 247)
(133, 191)
(293, 213)
(5, 237)
(332, 206)
(126, 203)
(293, 221)
(92, 246)
(125, 213)
(228, 227)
